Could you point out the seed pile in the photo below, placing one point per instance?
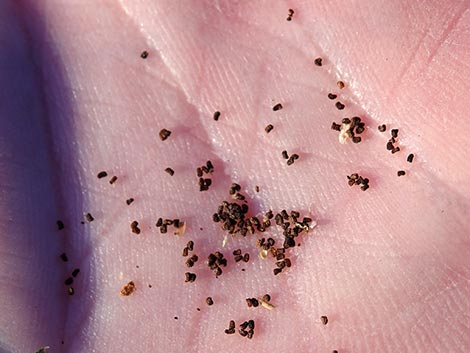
(390, 144)
(204, 183)
(356, 179)
(215, 261)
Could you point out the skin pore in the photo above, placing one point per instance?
(386, 266)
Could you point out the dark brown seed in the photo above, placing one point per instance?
(356, 139)
(346, 121)
(237, 252)
(324, 320)
(134, 227)
(231, 324)
(163, 229)
(242, 333)
(189, 262)
(170, 171)
(129, 201)
(276, 271)
(335, 351)
(295, 156)
(185, 251)
(75, 272)
(199, 172)
(287, 262)
(364, 187)
(144, 54)
(290, 161)
(71, 291)
(209, 301)
(229, 331)
(159, 222)
(332, 96)
(113, 180)
(257, 188)
(401, 173)
(359, 130)
(267, 298)
(336, 127)
(190, 277)
(339, 106)
(164, 134)
(64, 257)
(190, 245)
(60, 225)
(268, 128)
(238, 258)
(251, 324)
(340, 84)
(382, 128)
(216, 116)
(89, 217)
(168, 222)
(318, 61)
(68, 281)
(395, 150)
(389, 145)
(410, 158)
(246, 257)
(277, 107)
(394, 133)
(285, 155)
(218, 272)
(102, 174)
(250, 335)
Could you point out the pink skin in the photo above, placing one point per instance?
(388, 266)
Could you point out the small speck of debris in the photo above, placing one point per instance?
(170, 171)
(144, 54)
(401, 173)
(64, 257)
(102, 174)
(291, 13)
(113, 180)
(332, 96)
(382, 128)
(340, 84)
(324, 320)
(209, 301)
(89, 217)
(164, 134)
(318, 61)
(277, 107)
(339, 106)
(410, 158)
(60, 225)
(216, 116)
(129, 201)
(128, 289)
(268, 128)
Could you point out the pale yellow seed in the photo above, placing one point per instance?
(343, 134)
(265, 304)
(263, 254)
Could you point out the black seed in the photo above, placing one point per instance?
(237, 252)
(176, 223)
(364, 187)
(356, 139)
(410, 158)
(401, 173)
(277, 107)
(346, 121)
(68, 281)
(170, 171)
(159, 222)
(144, 54)
(335, 127)
(285, 155)
(268, 128)
(102, 174)
(394, 133)
(290, 161)
(359, 130)
(60, 225)
(318, 61)
(339, 106)
(199, 172)
(287, 262)
(395, 150)
(113, 180)
(64, 257)
(163, 229)
(251, 324)
(382, 128)
(75, 272)
(216, 116)
(134, 227)
(164, 134)
(246, 257)
(324, 320)
(389, 145)
(129, 201)
(332, 96)
(89, 217)
(215, 218)
(209, 301)
(276, 271)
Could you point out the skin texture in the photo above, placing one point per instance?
(389, 266)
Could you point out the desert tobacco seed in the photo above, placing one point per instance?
(336, 127)
(246, 257)
(401, 173)
(285, 155)
(170, 171)
(70, 291)
(199, 172)
(318, 61)
(395, 150)
(134, 227)
(190, 277)
(290, 161)
(113, 180)
(389, 146)
(205, 169)
(267, 298)
(89, 217)
(163, 229)
(64, 257)
(215, 218)
(216, 116)
(340, 84)
(356, 139)
(394, 133)
(237, 252)
(410, 158)
(144, 54)
(209, 301)
(164, 134)
(190, 262)
(102, 174)
(159, 222)
(190, 245)
(277, 107)
(268, 128)
(339, 106)
(257, 188)
(75, 272)
(129, 201)
(382, 128)
(291, 13)
(276, 271)
(185, 252)
(335, 351)
(238, 258)
(60, 225)
(68, 281)
(332, 96)
(324, 320)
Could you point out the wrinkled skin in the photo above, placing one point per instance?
(388, 266)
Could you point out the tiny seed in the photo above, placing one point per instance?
(382, 128)
(410, 158)
(185, 252)
(170, 171)
(340, 84)
(129, 201)
(277, 107)
(267, 298)
(356, 139)
(64, 257)
(134, 227)
(102, 174)
(285, 155)
(159, 222)
(394, 133)
(395, 150)
(324, 320)
(216, 115)
(164, 134)
(401, 173)
(60, 225)
(75, 272)
(89, 217)
(332, 96)
(71, 291)
(113, 180)
(128, 289)
(268, 128)
(246, 257)
(144, 54)
(209, 301)
(318, 61)
(68, 281)
(190, 245)
(339, 105)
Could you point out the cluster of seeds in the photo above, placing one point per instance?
(215, 261)
(239, 257)
(291, 159)
(263, 301)
(193, 259)
(348, 129)
(356, 179)
(104, 174)
(176, 223)
(390, 144)
(247, 329)
(204, 183)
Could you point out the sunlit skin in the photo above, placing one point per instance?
(388, 267)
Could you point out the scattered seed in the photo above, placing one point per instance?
(285, 155)
(60, 225)
(209, 301)
(75, 272)
(135, 227)
(64, 257)
(216, 115)
(268, 128)
(395, 150)
(340, 84)
(394, 133)
(318, 61)
(332, 96)
(159, 222)
(277, 107)
(129, 201)
(102, 174)
(389, 146)
(190, 245)
(185, 252)
(267, 298)
(410, 158)
(401, 173)
(128, 289)
(382, 128)
(277, 271)
(336, 127)
(356, 139)
(190, 277)
(144, 54)
(339, 105)
(246, 257)
(170, 171)
(113, 180)
(164, 134)
(291, 13)
(324, 320)
(89, 217)
(257, 188)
